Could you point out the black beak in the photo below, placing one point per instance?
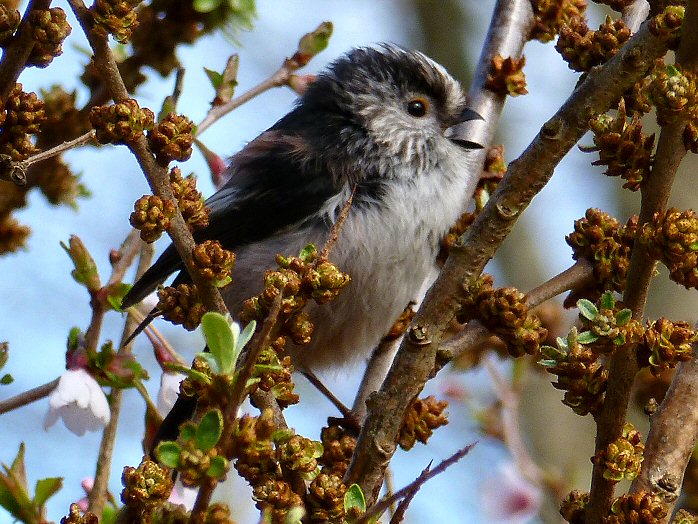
(453, 134)
(468, 114)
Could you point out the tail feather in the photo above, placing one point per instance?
(168, 263)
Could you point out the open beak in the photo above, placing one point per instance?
(455, 134)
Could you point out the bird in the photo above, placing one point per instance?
(377, 125)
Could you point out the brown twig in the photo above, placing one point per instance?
(27, 397)
(99, 493)
(277, 79)
(57, 150)
(16, 54)
(156, 175)
(415, 361)
(317, 383)
(672, 436)
(413, 486)
(237, 395)
(635, 13)
(655, 194)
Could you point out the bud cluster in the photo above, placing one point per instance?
(583, 48)
(152, 216)
(213, 262)
(172, 139)
(599, 238)
(622, 147)
(666, 343)
(623, 457)
(181, 305)
(21, 117)
(504, 312)
(672, 238)
(421, 419)
(121, 123)
(116, 17)
(49, 28)
(551, 15)
(189, 199)
(506, 76)
(637, 507)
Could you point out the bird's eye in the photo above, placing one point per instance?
(417, 107)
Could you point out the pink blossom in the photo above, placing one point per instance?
(508, 498)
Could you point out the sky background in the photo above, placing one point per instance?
(40, 302)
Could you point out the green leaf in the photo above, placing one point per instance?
(116, 295)
(587, 309)
(623, 317)
(295, 515)
(218, 468)
(214, 77)
(607, 300)
(85, 271)
(168, 453)
(187, 432)
(7, 379)
(46, 488)
(547, 363)
(587, 337)
(244, 337)
(168, 107)
(209, 430)
(220, 340)
(308, 253)
(619, 340)
(354, 498)
(206, 6)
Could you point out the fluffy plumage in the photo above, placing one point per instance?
(359, 124)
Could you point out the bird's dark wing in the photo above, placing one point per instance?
(275, 183)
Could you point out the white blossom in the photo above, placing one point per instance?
(169, 389)
(79, 401)
(183, 495)
(508, 498)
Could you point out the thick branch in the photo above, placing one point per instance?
(672, 437)
(655, 194)
(415, 362)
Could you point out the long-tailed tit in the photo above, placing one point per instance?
(377, 122)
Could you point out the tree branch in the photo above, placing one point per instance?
(415, 361)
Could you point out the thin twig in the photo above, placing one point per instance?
(413, 486)
(99, 493)
(310, 376)
(57, 150)
(237, 395)
(655, 194)
(27, 397)
(278, 79)
(509, 399)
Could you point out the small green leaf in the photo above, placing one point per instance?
(85, 271)
(587, 337)
(187, 432)
(46, 488)
(116, 295)
(607, 301)
(587, 309)
(168, 107)
(354, 498)
(168, 453)
(214, 77)
(206, 6)
(223, 282)
(623, 317)
(547, 363)
(308, 253)
(218, 468)
(619, 340)
(693, 247)
(210, 360)
(243, 338)
(7, 379)
(209, 430)
(220, 340)
(295, 515)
